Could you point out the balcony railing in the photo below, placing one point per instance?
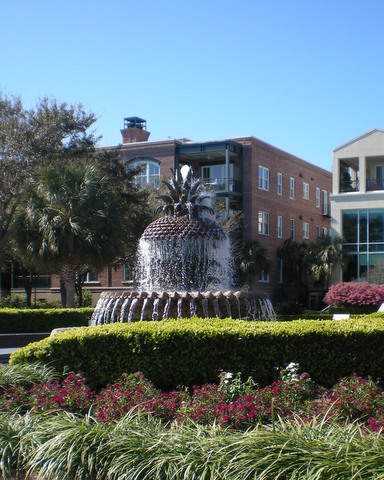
(375, 184)
(219, 185)
(349, 186)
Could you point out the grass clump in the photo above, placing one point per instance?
(233, 429)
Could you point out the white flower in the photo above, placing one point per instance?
(292, 367)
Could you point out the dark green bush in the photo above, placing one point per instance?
(191, 352)
(42, 320)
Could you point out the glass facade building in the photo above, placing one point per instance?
(363, 233)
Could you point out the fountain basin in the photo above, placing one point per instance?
(153, 306)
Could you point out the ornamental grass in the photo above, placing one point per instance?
(57, 428)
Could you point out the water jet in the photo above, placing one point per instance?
(184, 266)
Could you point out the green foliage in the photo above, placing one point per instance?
(194, 351)
(25, 375)
(71, 446)
(40, 320)
(18, 301)
(87, 298)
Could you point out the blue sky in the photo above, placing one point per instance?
(303, 75)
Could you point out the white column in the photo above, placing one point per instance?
(336, 176)
(362, 174)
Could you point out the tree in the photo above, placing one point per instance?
(14, 164)
(323, 257)
(71, 215)
(253, 259)
(292, 254)
(32, 138)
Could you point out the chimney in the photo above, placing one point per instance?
(135, 130)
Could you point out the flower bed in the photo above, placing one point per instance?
(230, 403)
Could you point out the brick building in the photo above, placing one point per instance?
(281, 196)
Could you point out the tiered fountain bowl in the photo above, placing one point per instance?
(135, 306)
(184, 267)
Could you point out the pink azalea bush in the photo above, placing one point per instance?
(231, 403)
(355, 294)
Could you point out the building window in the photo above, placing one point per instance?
(264, 276)
(325, 203)
(264, 178)
(279, 183)
(363, 233)
(279, 270)
(318, 231)
(292, 228)
(306, 190)
(149, 171)
(324, 231)
(127, 274)
(92, 277)
(280, 226)
(263, 223)
(305, 230)
(317, 197)
(214, 176)
(292, 188)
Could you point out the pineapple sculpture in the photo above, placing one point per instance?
(185, 249)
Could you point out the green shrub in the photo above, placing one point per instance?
(42, 320)
(194, 351)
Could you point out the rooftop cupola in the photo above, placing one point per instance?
(135, 130)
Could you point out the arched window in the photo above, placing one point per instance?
(150, 170)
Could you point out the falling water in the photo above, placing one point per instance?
(196, 264)
(138, 306)
(184, 269)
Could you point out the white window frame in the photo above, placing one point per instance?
(318, 231)
(279, 183)
(324, 231)
(325, 202)
(127, 274)
(263, 226)
(264, 277)
(306, 190)
(317, 197)
(291, 188)
(92, 277)
(264, 178)
(146, 176)
(305, 230)
(279, 226)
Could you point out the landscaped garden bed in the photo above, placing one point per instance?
(108, 422)
(57, 427)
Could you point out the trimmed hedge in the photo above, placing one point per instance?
(193, 351)
(13, 320)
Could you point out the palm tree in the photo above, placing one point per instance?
(292, 255)
(253, 259)
(69, 217)
(323, 257)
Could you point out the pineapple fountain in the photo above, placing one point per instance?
(184, 266)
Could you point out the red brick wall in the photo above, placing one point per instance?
(258, 153)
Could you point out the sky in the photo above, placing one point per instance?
(303, 75)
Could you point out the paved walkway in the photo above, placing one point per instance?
(12, 341)
(5, 353)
